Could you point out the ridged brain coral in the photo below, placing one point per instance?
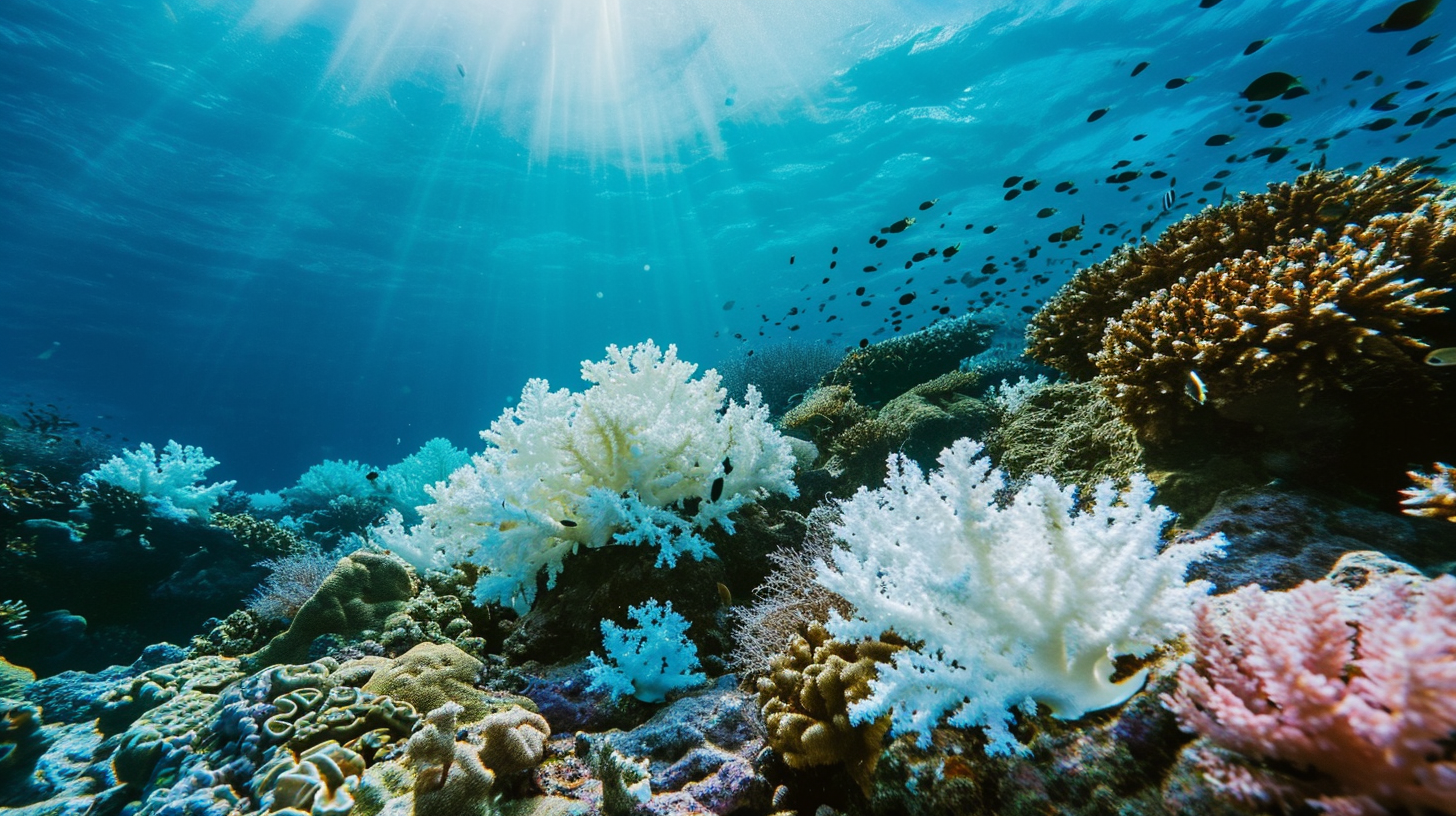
(1309, 287)
(1062, 334)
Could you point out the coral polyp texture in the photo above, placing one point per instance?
(1339, 698)
(806, 695)
(647, 455)
(1066, 332)
(1316, 314)
(1433, 495)
(1011, 605)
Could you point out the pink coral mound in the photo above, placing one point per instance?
(1352, 691)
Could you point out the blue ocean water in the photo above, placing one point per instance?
(292, 231)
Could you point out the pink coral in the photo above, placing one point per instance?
(1358, 687)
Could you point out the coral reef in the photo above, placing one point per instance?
(1027, 602)
(259, 535)
(648, 661)
(363, 590)
(1433, 496)
(1314, 315)
(806, 696)
(1063, 333)
(789, 601)
(1068, 431)
(167, 481)
(880, 372)
(1349, 688)
(647, 455)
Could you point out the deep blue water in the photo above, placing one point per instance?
(291, 231)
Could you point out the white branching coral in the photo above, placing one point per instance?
(168, 481)
(646, 455)
(1013, 605)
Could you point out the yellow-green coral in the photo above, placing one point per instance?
(259, 535)
(361, 593)
(1433, 496)
(805, 700)
(1313, 315)
(1066, 332)
(432, 674)
(1068, 431)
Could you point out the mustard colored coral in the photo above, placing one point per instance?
(805, 699)
(1065, 333)
(1433, 496)
(1316, 314)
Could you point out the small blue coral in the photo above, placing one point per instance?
(649, 661)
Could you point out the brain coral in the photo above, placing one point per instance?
(1315, 314)
(1063, 333)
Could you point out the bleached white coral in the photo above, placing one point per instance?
(168, 482)
(1009, 396)
(648, 661)
(405, 483)
(329, 480)
(1015, 605)
(647, 455)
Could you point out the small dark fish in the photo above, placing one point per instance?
(1124, 177)
(1422, 45)
(1046, 212)
(1141, 66)
(1294, 93)
(567, 523)
(716, 491)
(918, 257)
(989, 230)
(1407, 16)
(724, 596)
(727, 467)
(1010, 194)
(1273, 120)
(880, 244)
(1419, 117)
(791, 260)
(1416, 84)
(1168, 198)
(1208, 3)
(1030, 185)
(371, 475)
(460, 66)
(925, 205)
(835, 250)
(869, 269)
(901, 225)
(950, 251)
(1255, 46)
(1097, 114)
(907, 298)
(1383, 104)
(1063, 186)
(1218, 140)
(728, 307)
(1359, 75)
(1157, 174)
(1174, 84)
(1011, 181)
(1269, 86)
(1379, 124)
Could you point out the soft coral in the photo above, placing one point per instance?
(1358, 687)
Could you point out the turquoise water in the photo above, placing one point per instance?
(294, 231)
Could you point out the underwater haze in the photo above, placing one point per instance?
(291, 231)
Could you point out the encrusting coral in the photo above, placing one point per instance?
(1064, 333)
(1350, 689)
(806, 695)
(1433, 496)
